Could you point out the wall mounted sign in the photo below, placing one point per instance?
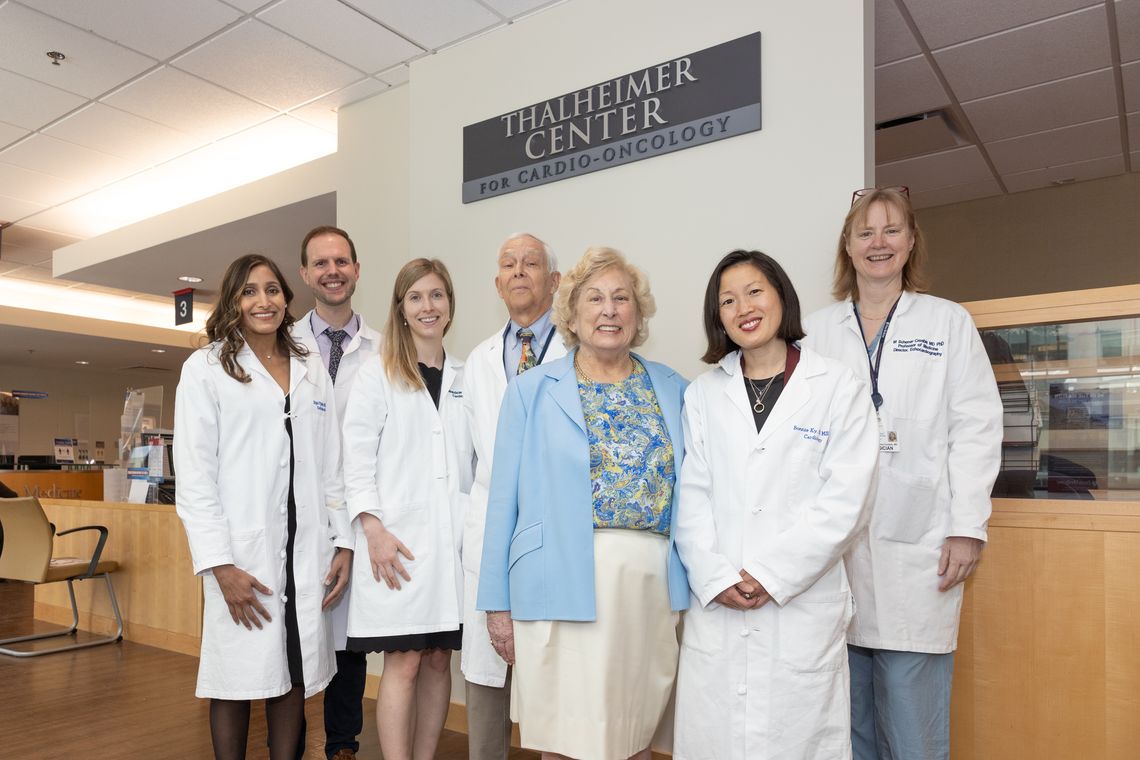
(183, 306)
(681, 103)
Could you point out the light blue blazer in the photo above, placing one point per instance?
(538, 549)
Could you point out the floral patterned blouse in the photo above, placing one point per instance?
(631, 454)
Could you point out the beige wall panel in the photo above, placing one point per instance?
(1122, 643)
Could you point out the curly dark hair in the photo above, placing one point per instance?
(224, 323)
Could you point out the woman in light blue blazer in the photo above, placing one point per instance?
(580, 578)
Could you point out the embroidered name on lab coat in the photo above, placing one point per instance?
(919, 346)
(320, 405)
(454, 393)
(812, 434)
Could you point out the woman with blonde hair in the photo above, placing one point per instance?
(408, 467)
(940, 429)
(257, 452)
(580, 579)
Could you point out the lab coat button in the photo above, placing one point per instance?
(757, 510)
(284, 599)
(743, 632)
(284, 554)
(284, 462)
(742, 689)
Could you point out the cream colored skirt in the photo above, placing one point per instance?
(598, 690)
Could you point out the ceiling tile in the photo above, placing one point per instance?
(12, 209)
(1080, 171)
(35, 186)
(31, 104)
(937, 170)
(396, 75)
(956, 194)
(893, 40)
(342, 32)
(119, 133)
(93, 65)
(1081, 142)
(192, 105)
(30, 272)
(29, 237)
(1128, 29)
(516, 8)
(322, 113)
(158, 29)
(257, 61)
(430, 23)
(945, 23)
(7, 266)
(905, 88)
(248, 6)
(1076, 100)
(31, 256)
(67, 161)
(1073, 44)
(1134, 129)
(1131, 74)
(10, 134)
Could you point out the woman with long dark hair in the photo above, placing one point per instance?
(257, 452)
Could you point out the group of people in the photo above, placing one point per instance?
(552, 505)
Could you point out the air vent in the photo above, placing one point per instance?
(916, 135)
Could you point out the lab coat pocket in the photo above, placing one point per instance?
(525, 541)
(905, 506)
(250, 554)
(813, 631)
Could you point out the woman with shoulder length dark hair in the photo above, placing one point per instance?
(779, 456)
(257, 451)
(940, 430)
(408, 468)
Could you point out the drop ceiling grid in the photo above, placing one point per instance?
(431, 24)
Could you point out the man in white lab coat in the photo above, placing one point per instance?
(526, 280)
(330, 268)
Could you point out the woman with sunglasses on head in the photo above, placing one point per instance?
(940, 429)
(257, 450)
(779, 457)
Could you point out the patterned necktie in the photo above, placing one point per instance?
(336, 336)
(527, 359)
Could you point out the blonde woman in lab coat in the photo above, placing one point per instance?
(408, 469)
(780, 448)
(257, 452)
(940, 428)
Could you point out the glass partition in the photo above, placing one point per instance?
(1071, 397)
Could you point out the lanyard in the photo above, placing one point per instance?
(507, 331)
(876, 397)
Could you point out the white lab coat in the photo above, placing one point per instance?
(783, 504)
(410, 465)
(485, 382)
(231, 457)
(940, 398)
(363, 345)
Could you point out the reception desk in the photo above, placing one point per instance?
(159, 595)
(55, 484)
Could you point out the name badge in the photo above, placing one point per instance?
(888, 439)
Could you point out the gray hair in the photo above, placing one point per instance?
(547, 251)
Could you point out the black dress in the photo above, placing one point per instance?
(413, 642)
(292, 633)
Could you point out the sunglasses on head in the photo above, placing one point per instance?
(867, 190)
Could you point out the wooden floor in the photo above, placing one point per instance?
(127, 700)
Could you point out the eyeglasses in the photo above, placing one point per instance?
(868, 190)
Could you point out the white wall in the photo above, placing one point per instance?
(783, 190)
(78, 391)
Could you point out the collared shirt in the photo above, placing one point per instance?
(512, 346)
(324, 343)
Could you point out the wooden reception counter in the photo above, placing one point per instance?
(159, 595)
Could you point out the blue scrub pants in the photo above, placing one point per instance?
(900, 704)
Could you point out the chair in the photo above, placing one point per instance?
(27, 557)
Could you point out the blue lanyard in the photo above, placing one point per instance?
(876, 397)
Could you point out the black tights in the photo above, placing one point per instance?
(284, 716)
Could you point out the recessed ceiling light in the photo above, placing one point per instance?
(190, 278)
(158, 350)
(80, 361)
